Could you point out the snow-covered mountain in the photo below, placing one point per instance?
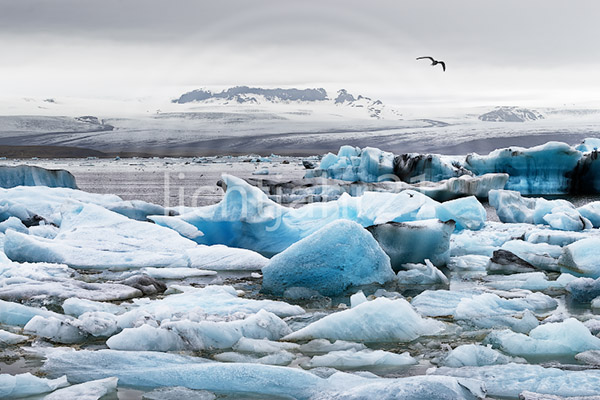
(241, 95)
(511, 114)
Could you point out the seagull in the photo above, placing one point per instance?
(434, 62)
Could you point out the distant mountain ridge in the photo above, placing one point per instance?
(511, 114)
(254, 95)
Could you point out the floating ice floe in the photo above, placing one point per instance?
(281, 358)
(540, 255)
(352, 359)
(537, 281)
(249, 345)
(590, 357)
(415, 241)
(19, 315)
(92, 390)
(550, 168)
(340, 255)
(581, 258)
(310, 190)
(489, 239)
(92, 237)
(178, 393)
(147, 370)
(203, 335)
(379, 320)
(584, 290)
(489, 310)
(25, 385)
(558, 214)
(246, 218)
(474, 355)
(324, 346)
(30, 175)
(421, 274)
(37, 204)
(568, 337)
(542, 169)
(509, 380)
(215, 300)
(8, 338)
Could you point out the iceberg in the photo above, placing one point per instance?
(591, 211)
(249, 345)
(540, 255)
(8, 338)
(19, 315)
(246, 218)
(281, 358)
(544, 169)
(474, 355)
(509, 380)
(422, 274)
(204, 335)
(584, 290)
(379, 320)
(352, 164)
(489, 310)
(311, 190)
(54, 329)
(351, 359)
(558, 214)
(580, 258)
(25, 385)
(213, 300)
(36, 204)
(30, 175)
(147, 370)
(439, 303)
(415, 241)
(568, 337)
(92, 390)
(537, 281)
(92, 237)
(324, 346)
(340, 255)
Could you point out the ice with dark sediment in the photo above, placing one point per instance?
(30, 175)
(550, 168)
(247, 218)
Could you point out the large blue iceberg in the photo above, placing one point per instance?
(340, 255)
(247, 218)
(550, 168)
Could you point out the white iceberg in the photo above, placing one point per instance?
(474, 355)
(25, 385)
(92, 390)
(379, 320)
(352, 359)
(552, 339)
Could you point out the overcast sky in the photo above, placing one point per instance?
(509, 51)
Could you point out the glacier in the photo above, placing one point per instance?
(31, 175)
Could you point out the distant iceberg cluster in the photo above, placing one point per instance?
(551, 168)
(406, 288)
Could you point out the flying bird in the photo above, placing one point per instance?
(434, 62)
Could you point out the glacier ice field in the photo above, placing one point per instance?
(358, 275)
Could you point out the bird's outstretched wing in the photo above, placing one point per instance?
(421, 58)
(443, 65)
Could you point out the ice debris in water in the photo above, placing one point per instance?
(92, 237)
(421, 274)
(203, 335)
(562, 338)
(379, 320)
(92, 390)
(246, 218)
(25, 385)
(475, 355)
(368, 359)
(340, 255)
